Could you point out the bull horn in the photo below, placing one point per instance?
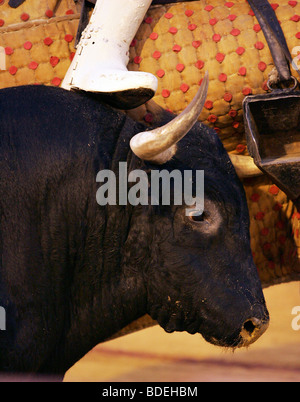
(245, 166)
(158, 146)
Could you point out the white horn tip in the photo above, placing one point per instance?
(139, 144)
(139, 140)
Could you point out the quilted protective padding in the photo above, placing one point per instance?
(38, 50)
(178, 43)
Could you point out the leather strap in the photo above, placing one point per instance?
(275, 37)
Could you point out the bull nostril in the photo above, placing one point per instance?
(249, 327)
(252, 330)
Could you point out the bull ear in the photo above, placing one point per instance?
(159, 145)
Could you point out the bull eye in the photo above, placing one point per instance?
(194, 217)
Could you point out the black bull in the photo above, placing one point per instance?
(73, 273)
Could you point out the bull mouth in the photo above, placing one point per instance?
(244, 334)
(224, 343)
(251, 331)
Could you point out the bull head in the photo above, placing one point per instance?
(213, 246)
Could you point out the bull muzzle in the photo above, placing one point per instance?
(253, 329)
(245, 333)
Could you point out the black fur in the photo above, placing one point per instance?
(73, 273)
